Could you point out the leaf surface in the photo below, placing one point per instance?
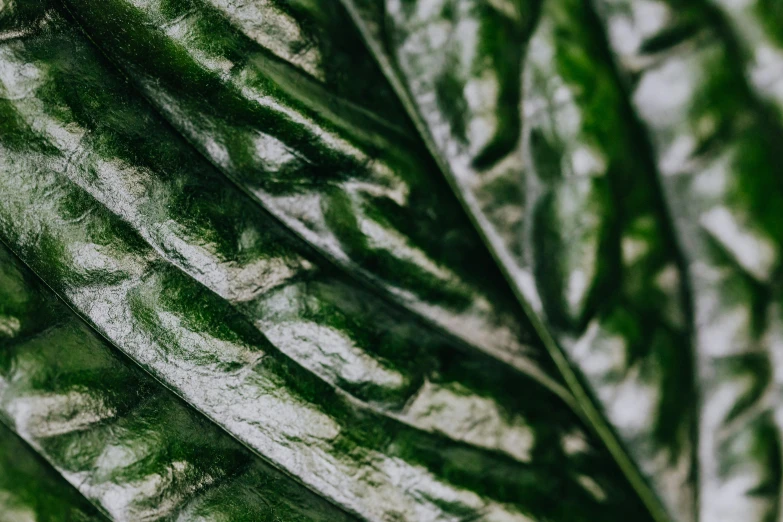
(715, 148)
(182, 272)
(576, 156)
(125, 442)
(423, 259)
(31, 490)
(293, 132)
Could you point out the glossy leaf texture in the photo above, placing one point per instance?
(31, 490)
(617, 158)
(125, 442)
(396, 259)
(382, 414)
(294, 129)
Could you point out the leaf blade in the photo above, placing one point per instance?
(127, 444)
(23, 478)
(353, 188)
(640, 47)
(732, 158)
(188, 336)
(410, 41)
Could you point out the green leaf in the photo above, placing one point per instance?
(758, 43)
(395, 260)
(31, 490)
(715, 147)
(291, 130)
(338, 386)
(125, 442)
(643, 229)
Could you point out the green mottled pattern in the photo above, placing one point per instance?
(129, 445)
(644, 231)
(715, 146)
(392, 260)
(30, 490)
(338, 386)
(351, 181)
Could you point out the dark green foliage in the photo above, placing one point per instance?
(391, 260)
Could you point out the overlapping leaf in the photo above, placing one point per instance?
(613, 254)
(294, 130)
(124, 441)
(185, 274)
(31, 490)
(715, 147)
(320, 294)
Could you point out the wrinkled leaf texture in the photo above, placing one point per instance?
(390, 260)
